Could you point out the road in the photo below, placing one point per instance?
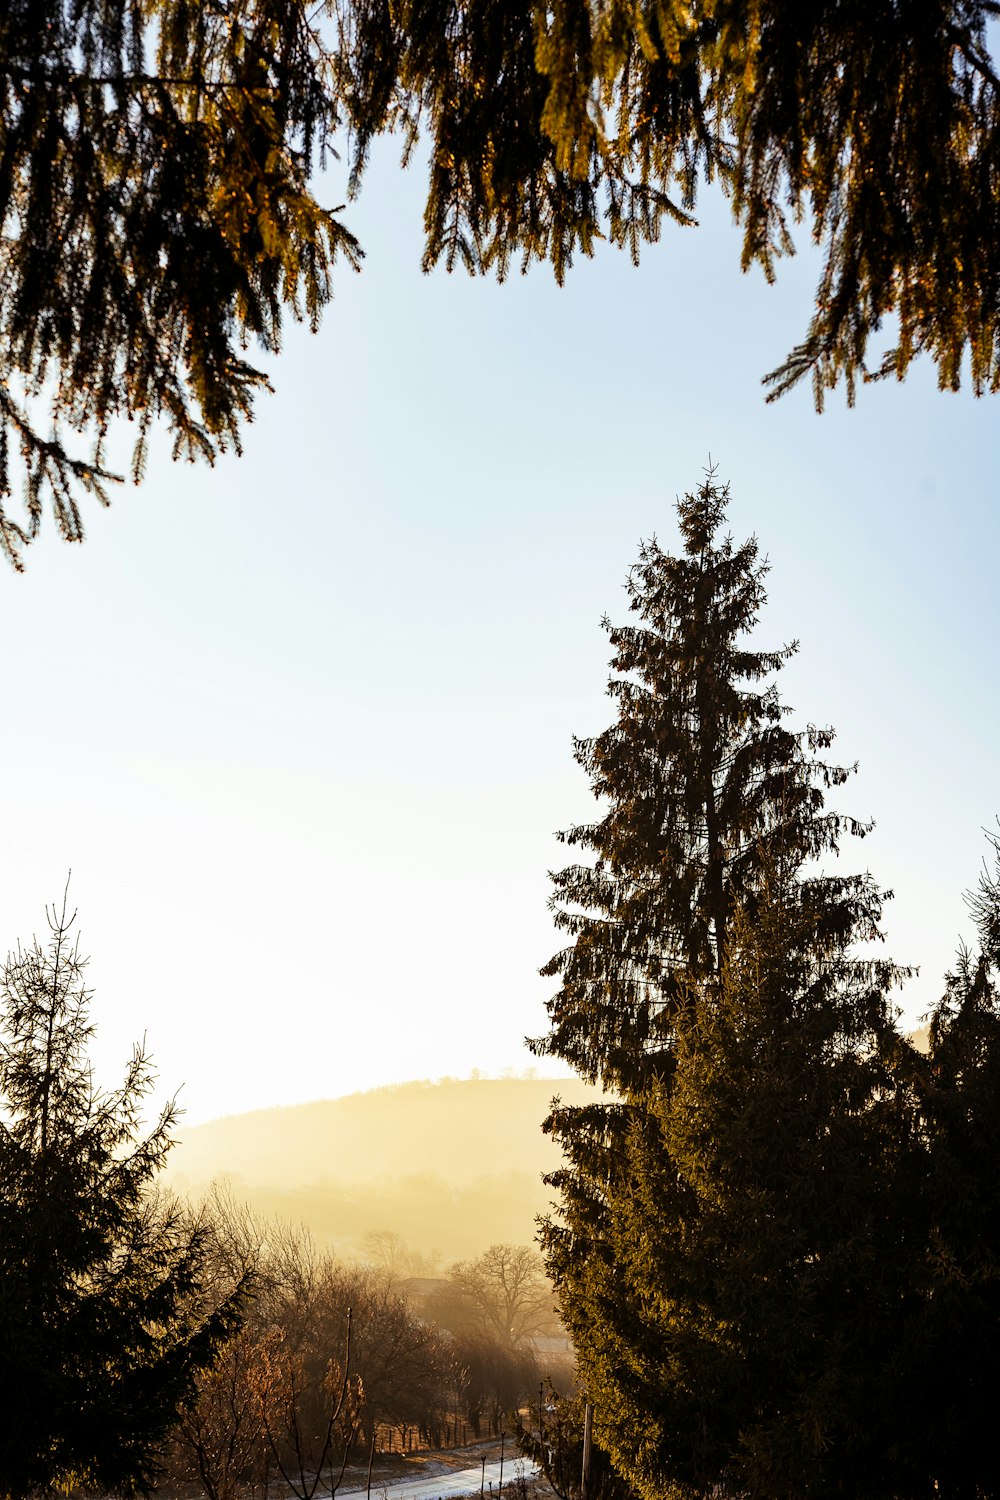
(451, 1483)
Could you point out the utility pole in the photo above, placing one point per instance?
(371, 1460)
(588, 1419)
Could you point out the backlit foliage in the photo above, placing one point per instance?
(875, 125)
(157, 216)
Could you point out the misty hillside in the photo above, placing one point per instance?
(451, 1167)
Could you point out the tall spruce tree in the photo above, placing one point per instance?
(108, 1311)
(722, 1209)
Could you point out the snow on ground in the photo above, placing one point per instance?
(449, 1485)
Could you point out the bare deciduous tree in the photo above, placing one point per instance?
(504, 1293)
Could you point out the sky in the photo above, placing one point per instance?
(301, 725)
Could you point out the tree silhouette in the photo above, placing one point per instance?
(106, 1312)
(723, 1209)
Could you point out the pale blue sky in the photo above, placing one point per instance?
(302, 724)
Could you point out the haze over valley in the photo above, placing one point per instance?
(450, 1167)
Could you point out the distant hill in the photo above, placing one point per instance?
(451, 1167)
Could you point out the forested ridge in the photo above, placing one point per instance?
(450, 1166)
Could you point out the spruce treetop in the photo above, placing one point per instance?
(703, 786)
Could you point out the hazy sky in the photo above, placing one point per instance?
(301, 725)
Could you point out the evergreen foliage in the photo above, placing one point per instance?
(156, 216)
(106, 1312)
(705, 788)
(726, 1253)
(553, 125)
(156, 212)
(757, 1262)
(950, 1356)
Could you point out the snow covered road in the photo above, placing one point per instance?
(451, 1483)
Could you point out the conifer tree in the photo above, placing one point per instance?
(757, 1251)
(949, 1358)
(720, 1210)
(107, 1313)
